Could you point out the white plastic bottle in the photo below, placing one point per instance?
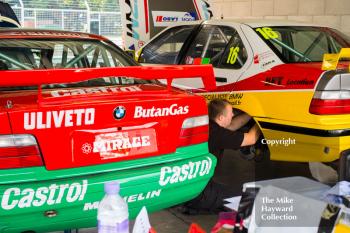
(112, 214)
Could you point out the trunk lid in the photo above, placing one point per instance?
(95, 130)
(77, 127)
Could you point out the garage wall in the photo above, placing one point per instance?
(335, 13)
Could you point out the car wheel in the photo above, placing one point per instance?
(257, 152)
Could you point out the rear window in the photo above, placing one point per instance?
(31, 54)
(301, 43)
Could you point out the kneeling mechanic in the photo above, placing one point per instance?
(224, 134)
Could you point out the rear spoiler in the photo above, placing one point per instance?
(41, 77)
(331, 60)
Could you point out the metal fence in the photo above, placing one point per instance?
(106, 23)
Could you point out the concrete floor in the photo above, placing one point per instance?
(234, 172)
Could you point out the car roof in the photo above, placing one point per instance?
(254, 23)
(42, 33)
(260, 22)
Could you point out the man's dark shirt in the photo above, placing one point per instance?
(214, 193)
(221, 138)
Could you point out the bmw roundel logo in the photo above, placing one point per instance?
(119, 112)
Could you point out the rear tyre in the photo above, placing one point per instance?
(258, 152)
(344, 166)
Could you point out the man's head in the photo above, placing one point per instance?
(220, 111)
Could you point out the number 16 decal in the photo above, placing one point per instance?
(267, 33)
(232, 56)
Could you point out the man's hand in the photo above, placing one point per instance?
(239, 121)
(252, 136)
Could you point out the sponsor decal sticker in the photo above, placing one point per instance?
(119, 112)
(58, 119)
(256, 59)
(189, 171)
(173, 110)
(301, 82)
(266, 60)
(166, 18)
(136, 28)
(278, 81)
(94, 90)
(265, 55)
(129, 199)
(86, 148)
(273, 81)
(233, 98)
(51, 195)
(267, 63)
(121, 144)
(132, 17)
(142, 196)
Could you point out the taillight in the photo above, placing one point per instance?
(332, 94)
(330, 102)
(194, 131)
(18, 151)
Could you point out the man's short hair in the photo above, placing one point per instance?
(216, 107)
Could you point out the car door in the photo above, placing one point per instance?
(223, 47)
(235, 61)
